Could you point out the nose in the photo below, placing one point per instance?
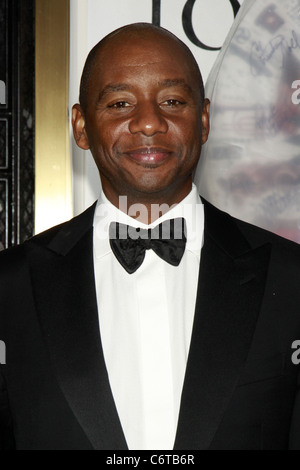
(148, 120)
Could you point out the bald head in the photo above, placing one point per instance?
(133, 33)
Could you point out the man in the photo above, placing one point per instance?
(175, 338)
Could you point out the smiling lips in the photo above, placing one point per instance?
(148, 155)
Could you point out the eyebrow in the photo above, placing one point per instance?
(175, 82)
(167, 83)
(112, 88)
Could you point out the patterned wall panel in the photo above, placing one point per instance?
(26, 130)
(3, 144)
(3, 213)
(16, 121)
(3, 40)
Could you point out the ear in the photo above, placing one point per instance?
(205, 120)
(79, 131)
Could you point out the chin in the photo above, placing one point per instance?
(151, 186)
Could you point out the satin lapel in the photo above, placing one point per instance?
(67, 307)
(230, 292)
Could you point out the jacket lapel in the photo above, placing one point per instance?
(230, 291)
(67, 307)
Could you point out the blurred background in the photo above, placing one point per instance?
(249, 54)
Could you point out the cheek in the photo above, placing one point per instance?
(188, 130)
(193, 144)
(190, 137)
(103, 133)
(114, 136)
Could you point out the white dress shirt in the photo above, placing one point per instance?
(146, 321)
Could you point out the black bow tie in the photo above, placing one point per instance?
(129, 244)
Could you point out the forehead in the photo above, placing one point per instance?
(143, 56)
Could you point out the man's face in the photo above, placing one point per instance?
(144, 123)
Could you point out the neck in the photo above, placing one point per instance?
(144, 209)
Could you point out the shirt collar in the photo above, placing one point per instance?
(191, 208)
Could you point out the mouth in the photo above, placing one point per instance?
(149, 155)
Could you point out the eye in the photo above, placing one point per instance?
(173, 103)
(119, 105)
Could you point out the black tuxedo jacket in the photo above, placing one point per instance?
(240, 389)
